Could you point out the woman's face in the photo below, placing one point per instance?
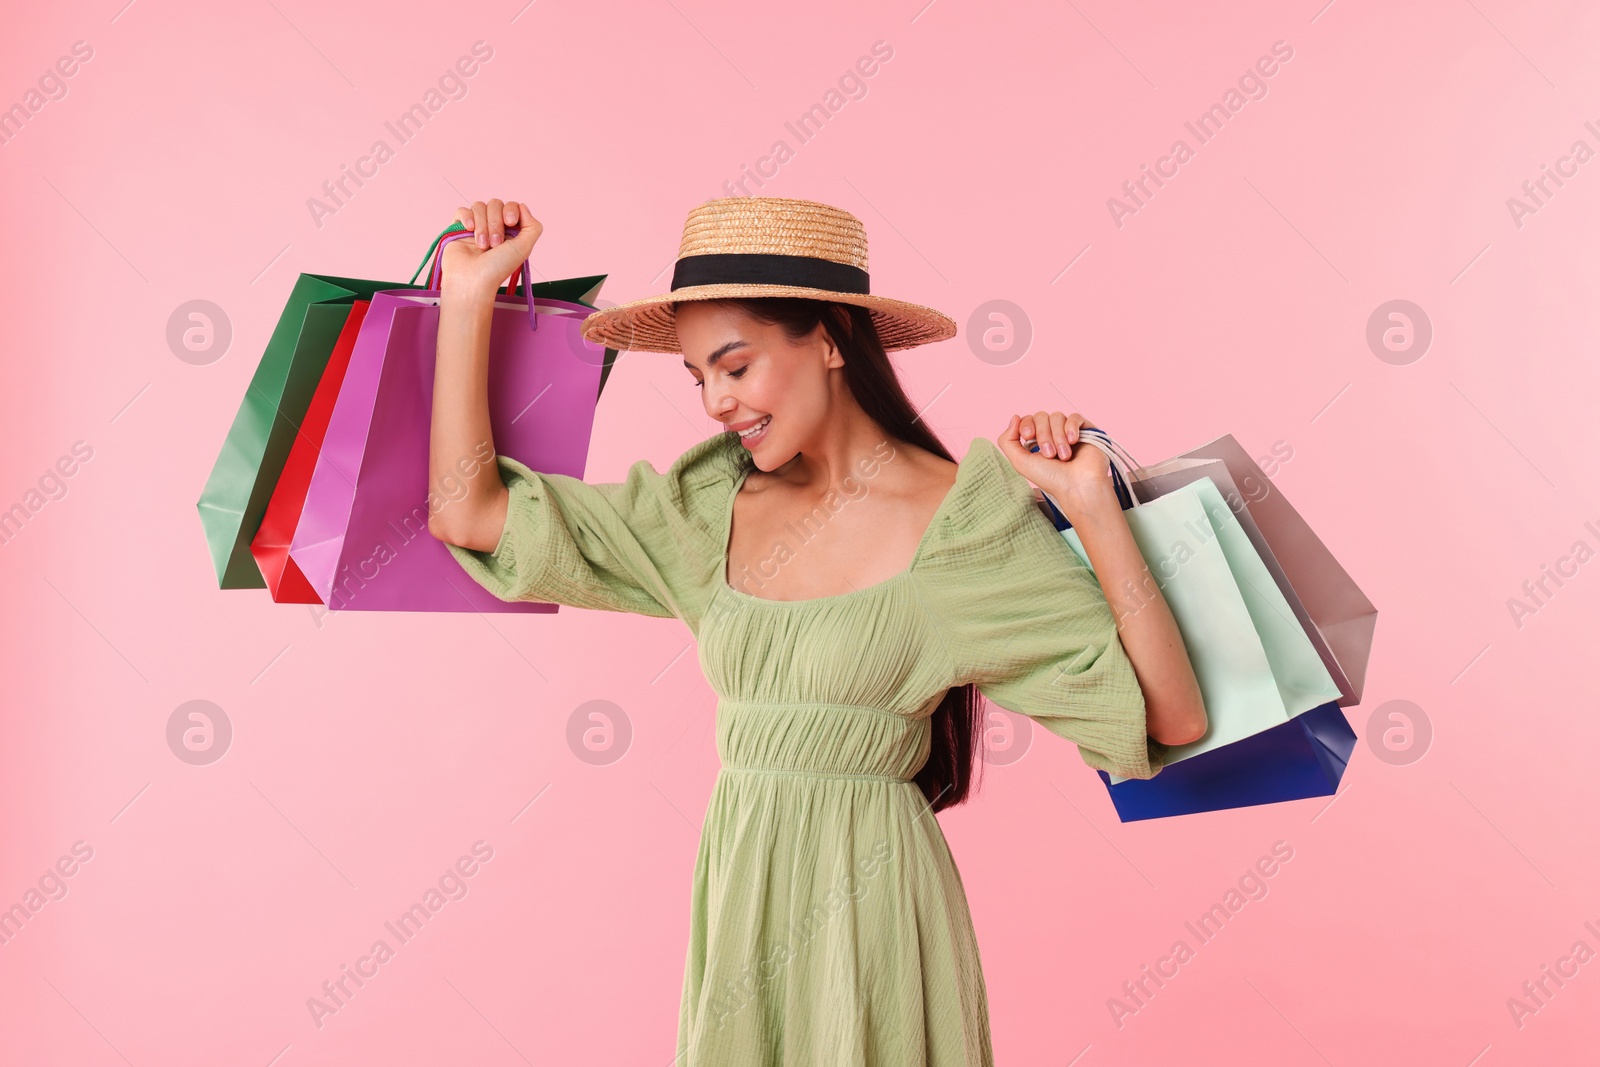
(752, 377)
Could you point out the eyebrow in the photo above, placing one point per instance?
(711, 360)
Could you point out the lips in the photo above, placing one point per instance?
(754, 430)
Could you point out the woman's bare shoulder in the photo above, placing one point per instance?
(918, 474)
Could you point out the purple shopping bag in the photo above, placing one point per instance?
(363, 540)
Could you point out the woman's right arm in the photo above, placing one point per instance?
(466, 497)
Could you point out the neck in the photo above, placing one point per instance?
(836, 454)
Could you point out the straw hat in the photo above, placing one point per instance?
(744, 246)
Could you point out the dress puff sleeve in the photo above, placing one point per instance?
(645, 545)
(1025, 619)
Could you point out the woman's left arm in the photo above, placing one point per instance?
(1079, 478)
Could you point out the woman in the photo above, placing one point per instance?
(852, 589)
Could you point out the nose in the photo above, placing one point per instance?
(718, 401)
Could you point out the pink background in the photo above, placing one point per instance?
(371, 750)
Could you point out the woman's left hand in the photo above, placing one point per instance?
(1062, 467)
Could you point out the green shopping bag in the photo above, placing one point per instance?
(258, 443)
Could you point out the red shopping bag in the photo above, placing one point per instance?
(270, 546)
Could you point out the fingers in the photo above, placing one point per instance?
(490, 220)
(528, 228)
(495, 214)
(1050, 444)
(1012, 441)
(1023, 433)
(1058, 433)
(1055, 432)
(1011, 434)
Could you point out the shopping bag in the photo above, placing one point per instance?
(1304, 757)
(270, 546)
(253, 453)
(1256, 667)
(1337, 616)
(362, 541)
(258, 442)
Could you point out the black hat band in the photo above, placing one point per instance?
(768, 268)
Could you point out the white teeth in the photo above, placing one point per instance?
(757, 428)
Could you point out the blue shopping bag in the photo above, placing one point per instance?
(1304, 757)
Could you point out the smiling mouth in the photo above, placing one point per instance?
(755, 432)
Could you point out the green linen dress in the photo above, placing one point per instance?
(828, 922)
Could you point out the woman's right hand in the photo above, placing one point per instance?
(478, 267)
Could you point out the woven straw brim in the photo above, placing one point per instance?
(647, 325)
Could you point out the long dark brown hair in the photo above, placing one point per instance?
(946, 778)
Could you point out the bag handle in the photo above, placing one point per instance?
(525, 269)
(458, 227)
(456, 231)
(454, 227)
(1122, 467)
(1127, 458)
(511, 283)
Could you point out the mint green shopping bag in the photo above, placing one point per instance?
(1256, 666)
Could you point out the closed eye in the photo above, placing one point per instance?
(698, 384)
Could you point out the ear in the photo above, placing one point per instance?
(821, 336)
(840, 321)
